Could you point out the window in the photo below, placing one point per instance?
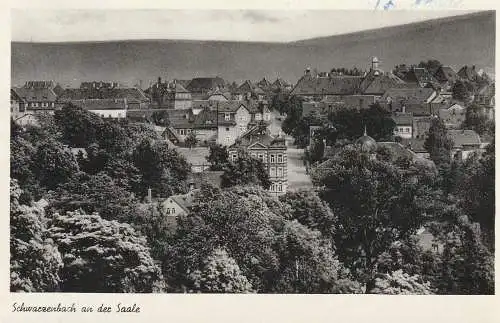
(280, 158)
(272, 172)
(261, 157)
(45, 104)
(280, 187)
(273, 158)
(280, 172)
(119, 114)
(254, 155)
(34, 104)
(273, 187)
(228, 139)
(173, 210)
(227, 116)
(52, 104)
(234, 157)
(168, 210)
(227, 129)
(109, 115)
(181, 132)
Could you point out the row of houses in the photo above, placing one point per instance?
(220, 122)
(112, 100)
(413, 96)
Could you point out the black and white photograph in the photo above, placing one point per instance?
(252, 151)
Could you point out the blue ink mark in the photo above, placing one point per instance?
(389, 5)
(378, 3)
(417, 2)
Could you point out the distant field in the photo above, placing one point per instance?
(468, 39)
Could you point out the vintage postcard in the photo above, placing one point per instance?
(270, 163)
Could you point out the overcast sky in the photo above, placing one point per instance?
(243, 25)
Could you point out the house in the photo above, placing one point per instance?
(105, 108)
(178, 205)
(374, 83)
(265, 85)
(453, 116)
(247, 91)
(465, 142)
(446, 77)
(485, 99)
(233, 120)
(135, 98)
(38, 96)
(413, 100)
(404, 125)
(218, 95)
(280, 85)
(169, 95)
(203, 124)
(259, 111)
(258, 143)
(420, 77)
(201, 86)
(18, 110)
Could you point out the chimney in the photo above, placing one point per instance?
(150, 196)
(473, 67)
(375, 62)
(307, 71)
(159, 79)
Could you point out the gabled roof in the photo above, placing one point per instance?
(245, 87)
(263, 84)
(36, 94)
(259, 134)
(377, 82)
(419, 75)
(446, 74)
(105, 104)
(131, 94)
(185, 201)
(409, 95)
(182, 118)
(462, 138)
(403, 119)
(230, 106)
(15, 96)
(332, 85)
(205, 84)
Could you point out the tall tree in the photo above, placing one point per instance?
(220, 274)
(162, 169)
(431, 65)
(246, 170)
(55, 164)
(218, 157)
(438, 144)
(35, 261)
(377, 204)
(103, 256)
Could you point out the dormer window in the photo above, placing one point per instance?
(227, 116)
